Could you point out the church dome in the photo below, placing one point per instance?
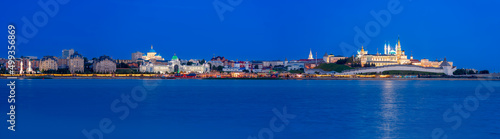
(152, 50)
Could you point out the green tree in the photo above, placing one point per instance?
(122, 65)
(471, 72)
(63, 71)
(341, 61)
(301, 70)
(332, 67)
(219, 68)
(484, 72)
(460, 72)
(3, 70)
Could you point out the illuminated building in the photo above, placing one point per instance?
(295, 66)
(444, 67)
(332, 58)
(152, 55)
(394, 56)
(272, 63)
(76, 63)
(67, 53)
(238, 66)
(48, 63)
(62, 63)
(104, 65)
(137, 55)
(219, 61)
(173, 66)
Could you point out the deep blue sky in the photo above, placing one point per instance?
(466, 32)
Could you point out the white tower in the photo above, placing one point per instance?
(388, 47)
(21, 71)
(396, 48)
(310, 54)
(286, 62)
(447, 69)
(29, 70)
(385, 48)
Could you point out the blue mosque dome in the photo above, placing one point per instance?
(392, 52)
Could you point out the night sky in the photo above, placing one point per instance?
(465, 32)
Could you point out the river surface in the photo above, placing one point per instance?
(247, 109)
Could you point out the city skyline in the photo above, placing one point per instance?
(248, 69)
(433, 30)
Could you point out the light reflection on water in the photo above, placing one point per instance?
(389, 111)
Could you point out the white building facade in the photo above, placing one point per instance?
(173, 66)
(104, 65)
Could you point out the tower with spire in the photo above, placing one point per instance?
(398, 47)
(21, 70)
(362, 50)
(385, 48)
(398, 51)
(29, 70)
(388, 47)
(285, 62)
(390, 56)
(310, 54)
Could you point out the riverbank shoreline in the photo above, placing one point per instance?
(305, 78)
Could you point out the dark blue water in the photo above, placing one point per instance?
(239, 109)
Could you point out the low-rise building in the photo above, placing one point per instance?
(216, 63)
(137, 55)
(104, 64)
(173, 66)
(123, 61)
(62, 63)
(272, 63)
(427, 63)
(232, 69)
(76, 63)
(257, 65)
(330, 58)
(295, 66)
(310, 63)
(243, 65)
(48, 63)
